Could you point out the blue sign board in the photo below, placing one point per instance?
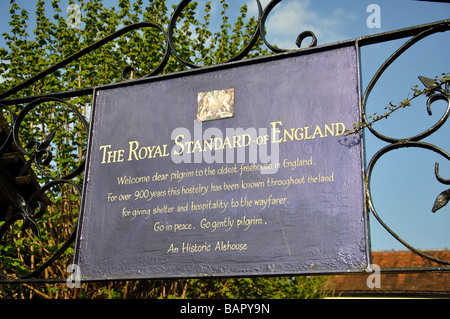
(233, 170)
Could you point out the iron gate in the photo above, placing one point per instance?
(24, 200)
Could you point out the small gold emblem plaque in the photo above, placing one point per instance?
(215, 105)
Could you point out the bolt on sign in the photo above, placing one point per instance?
(233, 170)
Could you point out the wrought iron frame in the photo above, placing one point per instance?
(39, 154)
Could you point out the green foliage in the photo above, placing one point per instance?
(29, 52)
(301, 287)
(258, 287)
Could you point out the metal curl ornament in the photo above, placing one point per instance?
(262, 17)
(368, 177)
(173, 20)
(420, 36)
(435, 93)
(158, 69)
(30, 212)
(303, 35)
(39, 154)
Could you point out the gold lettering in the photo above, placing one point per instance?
(104, 147)
(338, 131)
(179, 144)
(165, 154)
(275, 130)
(197, 146)
(291, 136)
(317, 131)
(133, 151)
(301, 134)
(208, 143)
(226, 142)
(236, 139)
(328, 130)
(120, 155)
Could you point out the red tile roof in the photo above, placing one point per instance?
(398, 283)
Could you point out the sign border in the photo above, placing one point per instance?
(213, 68)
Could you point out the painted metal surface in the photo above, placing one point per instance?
(276, 189)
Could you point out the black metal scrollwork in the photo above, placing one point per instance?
(28, 205)
(39, 153)
(258, 33)
(440, 94)
(436, 92)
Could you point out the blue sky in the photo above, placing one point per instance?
(403, 186)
